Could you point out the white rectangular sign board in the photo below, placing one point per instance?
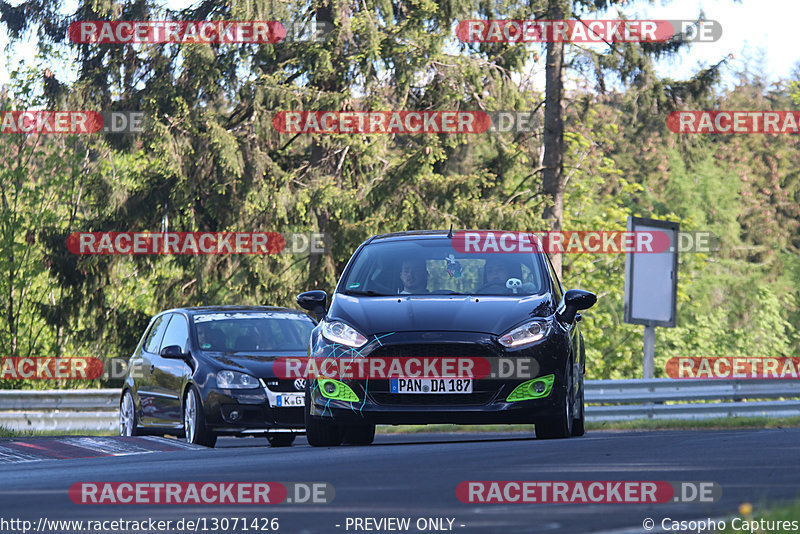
(651, 278)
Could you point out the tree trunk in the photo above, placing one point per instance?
(553, 161)
(321, 267)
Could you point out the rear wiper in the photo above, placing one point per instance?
(368, 293)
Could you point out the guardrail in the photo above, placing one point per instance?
(667, 398)
(607, 400)
(60, 409)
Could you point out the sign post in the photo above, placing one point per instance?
(651, 286)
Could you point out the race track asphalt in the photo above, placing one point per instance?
(415, 476)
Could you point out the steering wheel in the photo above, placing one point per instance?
(492, 287)
(380, 288)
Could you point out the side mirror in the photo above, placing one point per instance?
(173, 352)
(574, 301)
(314, 301)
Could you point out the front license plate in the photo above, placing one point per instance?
(290, 399)
(430, 385)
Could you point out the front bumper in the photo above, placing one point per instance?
(250, 411)
(487, 404)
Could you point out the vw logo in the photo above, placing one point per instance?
(300, 384)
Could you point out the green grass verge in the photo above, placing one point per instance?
(8, 433)
(770, 519)
(720, 423)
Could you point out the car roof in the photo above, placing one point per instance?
(233, 308)
(424, 234)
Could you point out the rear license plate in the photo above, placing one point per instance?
(285, 400)
(430, 385)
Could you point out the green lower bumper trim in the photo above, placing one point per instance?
(532, 389)
(334, 389)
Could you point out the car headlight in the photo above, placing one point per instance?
(526, 334)
(236, 380)
(338, 332)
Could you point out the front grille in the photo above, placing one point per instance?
(434, 350)
(378, 390)
(443, 399)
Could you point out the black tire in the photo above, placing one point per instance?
(359, 434)
(579, 423)
(197, 433)
(320, 432)
(128, 416)
(560, 426)
(284, 439)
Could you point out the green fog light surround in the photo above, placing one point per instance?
(527, 391)
(338, 391)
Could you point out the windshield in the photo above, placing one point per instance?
(262, 331)
(433, 266)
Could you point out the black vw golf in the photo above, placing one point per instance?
(201, 372)
(410, 300)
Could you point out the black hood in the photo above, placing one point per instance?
(443, 313)
(258, 364)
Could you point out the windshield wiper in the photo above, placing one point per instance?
(368, 293)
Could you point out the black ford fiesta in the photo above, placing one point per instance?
(416, 298)
(201, 372)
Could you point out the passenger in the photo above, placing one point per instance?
(414, 275)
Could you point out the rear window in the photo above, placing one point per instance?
(252, 332)
(433, 266)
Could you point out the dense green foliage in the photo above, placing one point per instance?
(211, 160)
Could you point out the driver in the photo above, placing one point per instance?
(496, 272)
(414, 275)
